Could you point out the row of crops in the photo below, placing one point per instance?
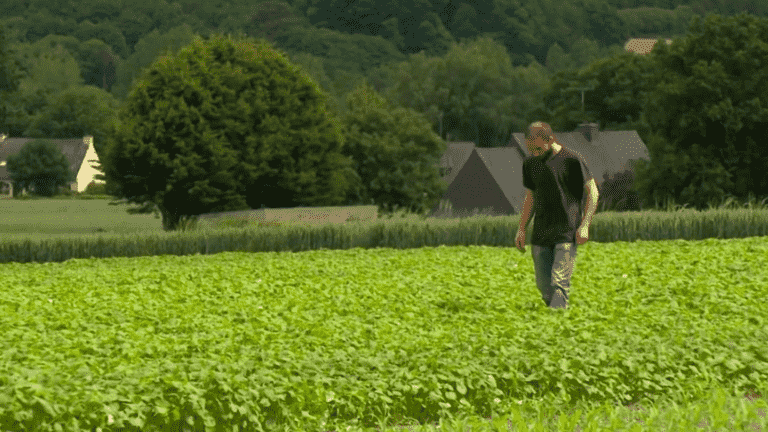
(365, 326)
(326, 340)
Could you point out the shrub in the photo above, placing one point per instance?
(94, 188)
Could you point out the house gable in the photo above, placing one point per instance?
(487, 179)
(455, 156)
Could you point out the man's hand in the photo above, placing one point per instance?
(520, 240)
(582, 234)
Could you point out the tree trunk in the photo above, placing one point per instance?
(174, 222)
(170, 220)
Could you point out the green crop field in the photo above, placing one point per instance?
(660, 335)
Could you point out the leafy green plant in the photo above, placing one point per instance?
(358, 337)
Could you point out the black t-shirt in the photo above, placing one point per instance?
(557, 183)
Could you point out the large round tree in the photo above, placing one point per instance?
(227, 123)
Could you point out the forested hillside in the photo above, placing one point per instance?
(106, 44)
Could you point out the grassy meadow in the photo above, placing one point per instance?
(680, 323)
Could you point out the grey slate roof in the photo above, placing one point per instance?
(494, 177)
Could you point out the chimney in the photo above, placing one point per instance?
(590, 130)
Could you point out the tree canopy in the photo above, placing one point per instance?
(11, 73)
(74, 113)
(41, 164)
(713, 87)
(395, 153)
(228, 123)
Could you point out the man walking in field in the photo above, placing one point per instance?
(556, 180)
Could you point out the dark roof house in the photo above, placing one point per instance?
(642, 45)
(79, 153)
(493, 177)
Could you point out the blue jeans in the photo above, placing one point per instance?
(554, 267)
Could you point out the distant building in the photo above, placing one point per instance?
(493, 177)
(642, 45)
(79, 153)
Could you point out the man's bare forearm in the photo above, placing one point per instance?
(526, 215)
(590, 206)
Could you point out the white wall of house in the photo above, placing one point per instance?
(87, 170)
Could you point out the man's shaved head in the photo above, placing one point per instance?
(540, 138)
(541, 130)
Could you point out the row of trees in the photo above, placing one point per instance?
(301, 31)
(525, 28)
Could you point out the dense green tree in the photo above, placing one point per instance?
(390, 30)
(40, 164)
(341, 52)
(75, 113)
(205, 12)
(615, 88)
(42, 23)
(713, 86)
(50, 68)
(430, 36)
(147, 50)
(98, 11)
(228, 123)
(105, 32)
(335, 88)
(683, 16)
(464, 23)
(584, 51)
(12, 71)
(46, 72)
(415, 85)
(523, 29)
(134, 23)
(54, 42)
(338, 61)
(395, 153)
(267, 19)
(605, 25)
(99, 64)
(24, 106)
(14, 8)
(558, 60)
(365, 17)
(757, 8)
(472, 86)
(529, 84)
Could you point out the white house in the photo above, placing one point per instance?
(80, 154)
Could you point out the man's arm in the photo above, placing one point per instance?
(525, 217)
(590, 206)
